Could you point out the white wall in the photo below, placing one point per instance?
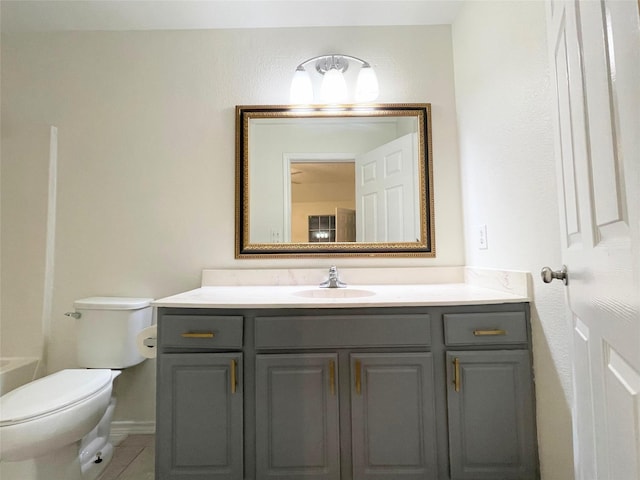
(508, 182)
(146, 162)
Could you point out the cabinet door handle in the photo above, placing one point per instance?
(456, 374)
(358, 377)
(480, 333)
(332, 377)
(234, 377)
(198, 335)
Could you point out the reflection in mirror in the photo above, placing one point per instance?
(319, 190)
(347, 181)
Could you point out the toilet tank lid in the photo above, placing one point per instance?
(51, 393)
(112, 303)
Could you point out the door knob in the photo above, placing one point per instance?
(549, 275)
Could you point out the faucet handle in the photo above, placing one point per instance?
(333, 281)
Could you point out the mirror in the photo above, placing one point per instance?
(334, 181)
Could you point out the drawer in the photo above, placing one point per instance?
(485, 328)
(201, 332)
(341, 331)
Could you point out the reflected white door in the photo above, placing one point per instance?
(345, 225)
(595, 52)
(386, 192)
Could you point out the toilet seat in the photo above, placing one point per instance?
(52, 394)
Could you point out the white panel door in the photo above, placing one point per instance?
(595, 54)
(345, 225)
(386, 192)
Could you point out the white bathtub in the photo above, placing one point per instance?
(16, 371)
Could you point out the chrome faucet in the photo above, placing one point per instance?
(333, 281)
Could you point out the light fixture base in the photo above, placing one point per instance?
(328, 62)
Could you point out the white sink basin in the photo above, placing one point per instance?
(334, 293)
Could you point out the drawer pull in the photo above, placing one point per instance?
(456, 374)
(332, 377)
(198, 335)
(234, 377)
(483, 333)
(358, 377)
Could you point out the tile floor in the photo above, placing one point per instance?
(133, 459)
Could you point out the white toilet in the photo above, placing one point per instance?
(57, 427)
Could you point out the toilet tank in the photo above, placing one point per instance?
(107, 329)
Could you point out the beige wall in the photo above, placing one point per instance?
(146, 162)
(503, 96)
(146, 168)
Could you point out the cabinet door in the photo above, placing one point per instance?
(491, 415)
(393, 416)
(297, 417)
(199, 427)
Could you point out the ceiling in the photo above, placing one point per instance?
(327, 173)
(60, 15)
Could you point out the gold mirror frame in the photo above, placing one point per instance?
(424, 247)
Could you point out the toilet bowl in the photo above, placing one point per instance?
(57, 427)
(96, 449)
(43, 422)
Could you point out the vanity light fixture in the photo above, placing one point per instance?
(333, 87)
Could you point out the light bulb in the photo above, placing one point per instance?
(367, 85)
(333, 88)
(301, 89)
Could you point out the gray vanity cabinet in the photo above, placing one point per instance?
(491, 415)
(297, 428)
(397, 393)
(201, 412)
(491, 424)
(393, 416)
(339, 408)
(199, 398)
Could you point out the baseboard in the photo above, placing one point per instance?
(122, 429)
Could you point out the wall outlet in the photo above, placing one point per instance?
(482, 237)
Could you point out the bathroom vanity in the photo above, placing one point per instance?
(295, 383)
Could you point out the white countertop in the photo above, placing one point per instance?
(311, 296)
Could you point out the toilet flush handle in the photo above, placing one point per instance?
(75, 315)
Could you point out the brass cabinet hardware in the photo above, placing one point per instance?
(198, 335)
(358, 377)
(234, 377)
(480, 333)
(332, 377)
(456, 374)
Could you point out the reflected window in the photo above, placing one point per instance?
(322, 228)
